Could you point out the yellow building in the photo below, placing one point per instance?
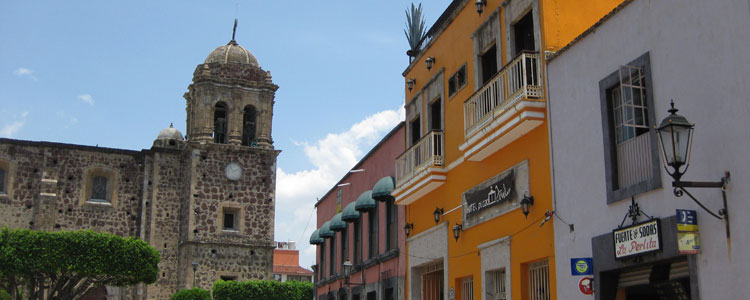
(477, 148)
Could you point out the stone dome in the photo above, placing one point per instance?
(170, 133)
(232, 53)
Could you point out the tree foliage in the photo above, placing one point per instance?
(69, 264)
(415, 30)
(192, 294)
(262, 290)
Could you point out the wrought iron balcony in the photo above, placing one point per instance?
(519, 79)
(427, 152)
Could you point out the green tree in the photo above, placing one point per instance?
(69, 264)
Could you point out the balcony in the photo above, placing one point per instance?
(419, 169)
(505, 108)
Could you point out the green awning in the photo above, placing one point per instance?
(365, 202)
(337, 224)
(383, 188)
(315, 238)
(349, 214)
(325, 230)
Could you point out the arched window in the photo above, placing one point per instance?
(220, 123)
(248, 126)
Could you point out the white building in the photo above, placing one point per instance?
(692, 51)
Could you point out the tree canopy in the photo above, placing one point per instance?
(71, 263)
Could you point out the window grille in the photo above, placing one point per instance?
(99, 189)
(496, 285)
(630, 111)
(539, 281)
(432, 285)
(467, 288)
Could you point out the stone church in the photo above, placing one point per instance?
(205, 201)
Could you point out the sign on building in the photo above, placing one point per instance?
(495, 196)
(637, 239)
(688, 237)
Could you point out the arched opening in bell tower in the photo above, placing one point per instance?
(220, 123)
(249, 126)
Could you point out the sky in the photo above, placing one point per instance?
(112, 74)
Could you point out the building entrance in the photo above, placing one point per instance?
(661, 280)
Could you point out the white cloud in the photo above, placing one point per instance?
(24, 72)
(331, 157)
(9, 130)
(86, 98)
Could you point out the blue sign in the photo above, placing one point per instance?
(582, 266)
(687, 220)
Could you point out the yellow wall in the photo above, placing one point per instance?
(561, 21)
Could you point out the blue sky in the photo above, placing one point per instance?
(112, 73)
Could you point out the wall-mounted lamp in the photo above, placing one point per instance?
(343, 184)
(437, 213)
(410, 83)
(356, 170)
(526, 203)
(480, 6)
(195, 269)
(457, 230)
(428, 62)
(347, 268)
(676, 137)
(407, 228)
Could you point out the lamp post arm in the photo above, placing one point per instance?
(678, 191)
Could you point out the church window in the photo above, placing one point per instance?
(2, 180)
(248, 126)
(230, 219)
(100, 186)
(220, 123)
(99, 189)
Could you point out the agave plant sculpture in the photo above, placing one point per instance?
(415, 30)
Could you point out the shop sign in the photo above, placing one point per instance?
(495, 196)
(581, 266)
(688, 237)
(497, 192)
(637, 239)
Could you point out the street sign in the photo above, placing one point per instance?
(582, 266)
(586, 285)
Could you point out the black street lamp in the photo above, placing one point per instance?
(428, 62)
(457, 231)
(480, 4)
(526, 203)
(437, 213)
(410, 83)
(347, 268)
(407, 228)
(676, 137)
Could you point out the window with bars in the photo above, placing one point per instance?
(631, 153)
(539, 281)
(496, 285)
(373, 232)
(432, 285)
(467, 288)
(357, 241)
(98, 189)
(457, 81)
(332, 257)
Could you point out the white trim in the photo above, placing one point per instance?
(416, 192)
(454, 164)
(505, 115)
(428, 231)
(505, 239)
(505, 131)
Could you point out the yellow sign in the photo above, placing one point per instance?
(689, 242)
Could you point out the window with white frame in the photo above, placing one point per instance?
(495, 285)
(631, 153)
(539, 281)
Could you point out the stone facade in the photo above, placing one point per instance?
(198, 200)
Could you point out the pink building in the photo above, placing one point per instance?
(360, 253)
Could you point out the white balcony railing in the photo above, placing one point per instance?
(428, 151)
(634, 161)
(521, 78)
